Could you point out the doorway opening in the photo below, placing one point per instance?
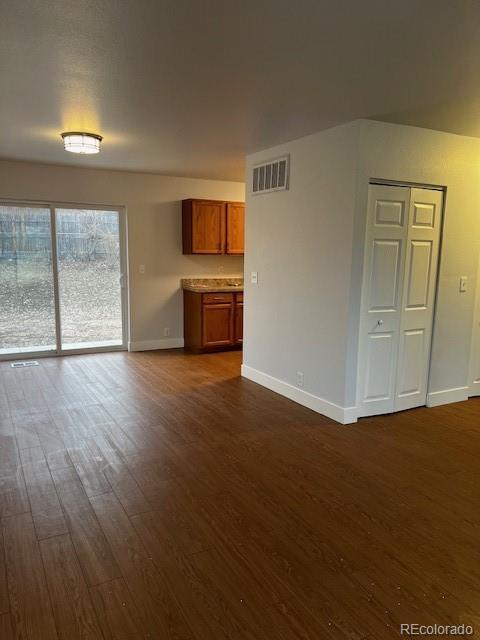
(402, 245)
(62, 279)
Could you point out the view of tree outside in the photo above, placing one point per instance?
(88, 253)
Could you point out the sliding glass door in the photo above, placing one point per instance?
(27, 300)
(89, 278)
(61, 279)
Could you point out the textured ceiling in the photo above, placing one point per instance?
(188, 87)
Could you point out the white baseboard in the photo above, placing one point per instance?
(436, 398)
(151, 345)
(474, 389)
(344, 415)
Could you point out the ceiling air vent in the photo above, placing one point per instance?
(271, 176)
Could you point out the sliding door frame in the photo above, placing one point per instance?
(124, 280)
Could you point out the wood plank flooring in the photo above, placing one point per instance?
(159, 495)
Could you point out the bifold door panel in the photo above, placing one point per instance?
(398, 295)
(423, 240)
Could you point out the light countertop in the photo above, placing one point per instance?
(213, 285)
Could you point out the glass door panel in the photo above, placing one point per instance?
(89, 278)
(27, 300)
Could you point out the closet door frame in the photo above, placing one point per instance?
(360, 406)
(474, 367)
(380, 319)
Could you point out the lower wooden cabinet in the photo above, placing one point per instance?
(217, 325)
(212, 321)
(238, 323)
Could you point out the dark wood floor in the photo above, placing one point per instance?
(159, 495)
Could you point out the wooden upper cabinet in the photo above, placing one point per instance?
(235, 227)
(213, 227)
(203, 226)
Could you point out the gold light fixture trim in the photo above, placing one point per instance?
(81, 142)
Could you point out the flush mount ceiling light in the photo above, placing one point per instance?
(80, 142)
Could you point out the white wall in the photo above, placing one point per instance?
(153, 205)
(307, 246)
(425, 157)
(300, 243)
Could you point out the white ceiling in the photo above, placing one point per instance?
(187, 87)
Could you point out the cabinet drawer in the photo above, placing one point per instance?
(239, 297)
(214, 298)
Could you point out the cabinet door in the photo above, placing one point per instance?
(208, 227)
(239, 323)
(235, 228)
(217, 325)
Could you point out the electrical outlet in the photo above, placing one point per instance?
(166, 332)
(299, 378)
(254, 277)
(141, 269)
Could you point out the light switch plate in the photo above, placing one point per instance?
(141, 268)
(254, 277)
(463, 284)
